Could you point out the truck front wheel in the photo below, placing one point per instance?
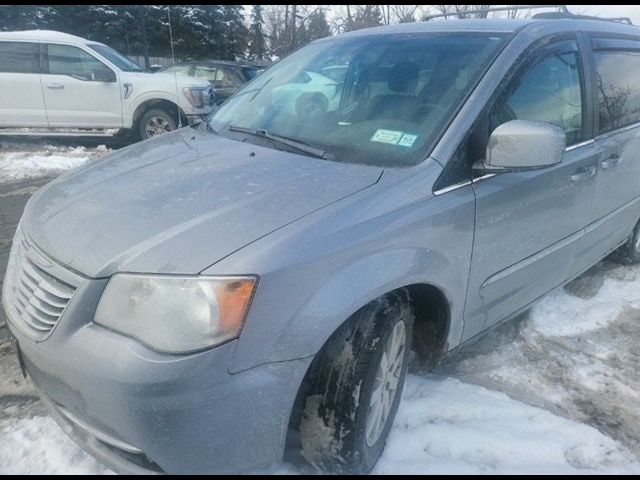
(156, 122)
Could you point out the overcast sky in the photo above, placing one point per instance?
(631, 11)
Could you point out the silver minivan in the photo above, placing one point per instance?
(252, 287)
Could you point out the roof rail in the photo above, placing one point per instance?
(560, 15)
(562, 10)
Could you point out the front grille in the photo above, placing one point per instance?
(35, 299)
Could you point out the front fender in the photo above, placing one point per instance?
(351, 288)
(319, 270)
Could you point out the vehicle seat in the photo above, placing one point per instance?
(403, 80)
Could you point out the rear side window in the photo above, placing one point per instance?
(549, 91)
(225, 78)
(177, 69)
(72, 61)
(19, 57)
(205, 72)
(618, 83)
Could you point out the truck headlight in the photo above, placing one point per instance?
(176, 314)
(198, 96)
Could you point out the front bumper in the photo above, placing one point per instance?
(183, 414)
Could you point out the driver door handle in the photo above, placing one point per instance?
(613, 160)
(55, 86)
(583, 174)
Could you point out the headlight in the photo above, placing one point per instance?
(198, 96)
(176, 314)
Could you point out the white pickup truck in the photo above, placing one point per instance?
(52, 83)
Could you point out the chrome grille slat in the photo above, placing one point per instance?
(45, 308)
(39, 298)
(33, 323)
(41, 316)
(42, 296)
(43, 283)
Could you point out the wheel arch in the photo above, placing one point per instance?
(160, 103)
(432, 314)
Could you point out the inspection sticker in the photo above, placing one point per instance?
(407, 140)
(391, 137)
(394, 137)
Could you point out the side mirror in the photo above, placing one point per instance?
(525, 145)
(103, 75)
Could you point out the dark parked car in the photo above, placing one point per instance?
(226, 77)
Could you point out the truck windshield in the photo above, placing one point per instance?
(115, 57)
(373, 99)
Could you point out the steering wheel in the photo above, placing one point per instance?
(311, 103)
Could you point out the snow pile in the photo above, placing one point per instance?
(445, 426)
(37, 446)
(562, 314)
(575, 357)
(17, 166)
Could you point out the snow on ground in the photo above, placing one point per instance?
(576, 354)
(554, 391)
(18, 163)
(446, 426)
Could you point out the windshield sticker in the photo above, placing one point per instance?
(407, 140)
(391, 137)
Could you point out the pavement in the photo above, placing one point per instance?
(13, 198)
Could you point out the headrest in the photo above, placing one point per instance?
(403, 77)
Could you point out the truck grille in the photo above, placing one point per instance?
(35, 299)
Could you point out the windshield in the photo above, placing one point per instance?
(376, 99)
(115, 57)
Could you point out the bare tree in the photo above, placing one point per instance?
(405, 13)
(274, 21)
(462, 11)
(287, 25)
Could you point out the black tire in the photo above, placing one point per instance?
(333, 433)
(629, 253)
(165, 122)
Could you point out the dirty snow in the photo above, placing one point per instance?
(555, 391)
(18, 163)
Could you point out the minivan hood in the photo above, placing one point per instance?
(180, 202)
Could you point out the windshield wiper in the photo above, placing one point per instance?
(289, 142)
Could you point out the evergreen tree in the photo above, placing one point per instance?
(236, 30)
(317, 26)
(199, 31)
(257, 42)
(24, 17)
(365, 16)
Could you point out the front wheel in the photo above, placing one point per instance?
(356, 385)
(156, 122)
